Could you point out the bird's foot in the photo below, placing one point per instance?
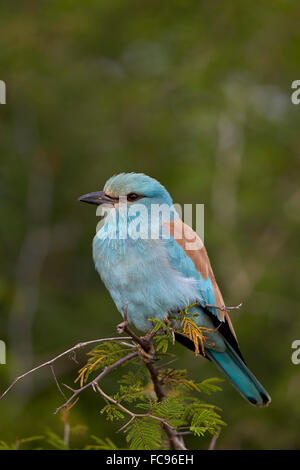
(121, 326)
(147, 356)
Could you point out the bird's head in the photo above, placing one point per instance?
(132, 188)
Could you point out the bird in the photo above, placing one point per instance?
(149, 266)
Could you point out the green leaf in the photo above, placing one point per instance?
(131, 378)
(204, 419)
(17, 445)
(162, 343)
(170, 409)
(56, 441)
(5, 446)
(207, 386)
(144, 434)
(112, 412)
(101, 444)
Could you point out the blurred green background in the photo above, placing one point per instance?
(195, 94)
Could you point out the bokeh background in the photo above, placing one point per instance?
(195, 94)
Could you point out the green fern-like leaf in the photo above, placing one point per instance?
(5, 446)
(112, 412)
(161, 343)
(101, 444)
(198, 431)
(19, 443)
(172, 376)
(165, 338)
(171, 409)
(204, 419)
(158, 325)
(144, 434)
(130, 393)
(55, 441)
(207, 386)
(132, 378)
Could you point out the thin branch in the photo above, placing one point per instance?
(166, 364)
(223, 307)
(128, 344)
(213, 441)
(69, 388)
(131, 413)
(175, 441)
(69, 351)
(126, 424)
(94, 382)
(56, 381)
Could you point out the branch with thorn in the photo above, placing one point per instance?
(141, 347)
(144, 344)
(223, 308)
(93, 383)
(69, 352)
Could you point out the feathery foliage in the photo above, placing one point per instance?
(145, 416)
(144, 434)
(101, 444)
(135, 404)
(100, 357)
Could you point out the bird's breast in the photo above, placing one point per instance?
(138, 272)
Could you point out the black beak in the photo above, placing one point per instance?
(97, 198)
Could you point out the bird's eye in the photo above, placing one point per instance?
(132, 197)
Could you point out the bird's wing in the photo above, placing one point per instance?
(188, 254)
(194, 248)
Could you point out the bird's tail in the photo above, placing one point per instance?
(240, 376)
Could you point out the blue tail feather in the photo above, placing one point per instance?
(239, 376)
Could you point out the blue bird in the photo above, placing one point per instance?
(147, 267)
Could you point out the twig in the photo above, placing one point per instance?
(223, 307)
(126, 424)
(94, 382)
(166, 363)
(128, 344)
(49, 363)
(213, 441)
(56, 381)
(68, 387)
(131, 413)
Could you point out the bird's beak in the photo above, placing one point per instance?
(97, 198)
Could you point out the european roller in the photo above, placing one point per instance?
(154, 265)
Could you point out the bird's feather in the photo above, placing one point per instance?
(160, 276)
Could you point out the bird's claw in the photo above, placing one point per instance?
(146, 356)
